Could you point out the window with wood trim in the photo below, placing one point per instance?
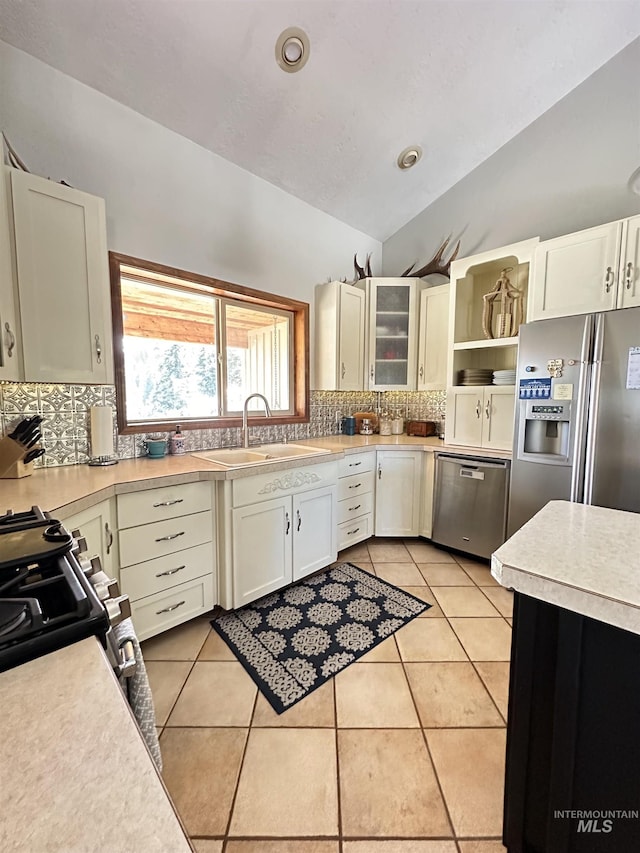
(190, 349)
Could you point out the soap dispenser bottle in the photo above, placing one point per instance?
(177, 442)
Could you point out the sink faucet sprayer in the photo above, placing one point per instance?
(245, 415)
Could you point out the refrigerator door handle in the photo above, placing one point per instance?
(578, 455)
(592, 417)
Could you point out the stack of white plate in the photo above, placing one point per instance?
(504, 377)
(476, 376)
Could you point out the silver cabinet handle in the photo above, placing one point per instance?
(628, 277)
(354, 508)
(109, 533)
(351, 532)
(608, 280)
(343, 371)
(11, 338)
(170, 572)
(355, 485)
(288, 520)
(487, 409)
(421, 371)
(170, 537)
(98, 349)
(168, 503)
(169, 609)
(478, 408)
(379, 471)
(299, 517)
(355, 464)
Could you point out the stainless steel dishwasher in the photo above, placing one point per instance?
(470, 503)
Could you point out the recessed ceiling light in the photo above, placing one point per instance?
(409, 157)
(292, 49)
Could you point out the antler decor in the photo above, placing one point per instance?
(362, 272)
(436, 264)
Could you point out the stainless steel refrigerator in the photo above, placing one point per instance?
(577, 429)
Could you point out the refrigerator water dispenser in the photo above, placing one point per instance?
(544, 432)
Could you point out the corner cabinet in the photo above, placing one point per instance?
(398, 492)
(98, 527)
(392, 311)
(483, 415)
(59, 262)
(279, 527)
(597, 269)
(340, 337)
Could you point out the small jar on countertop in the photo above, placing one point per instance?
(177, 442)
(384, 423)
(397, 424)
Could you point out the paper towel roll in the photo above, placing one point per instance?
(101, 431)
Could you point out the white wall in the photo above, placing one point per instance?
(169, 200)
(567, 171)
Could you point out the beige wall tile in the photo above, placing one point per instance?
(277, 763)
(181, 643)
(317, 709)
(428, 639)
(496, 677)
(444, 574)
(282, 845)
(411, 846)
(474, 799)
(387, 550)
(215, 648)
(425, 552)
(166, 679)
(212, 757)
(374, 695)
(384, 652)
(217, 693)
(463, 601)
(451, 694)
(387, 785)
(501, 598)
(484, 639)
(399, 573)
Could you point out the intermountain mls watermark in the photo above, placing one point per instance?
(596, 820)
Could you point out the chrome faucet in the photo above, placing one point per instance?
(245, 416)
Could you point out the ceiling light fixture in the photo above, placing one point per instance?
(292, 49)
(409, 157)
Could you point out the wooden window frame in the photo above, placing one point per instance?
(223, 289)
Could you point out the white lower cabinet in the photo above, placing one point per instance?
(97, 526)
(398, 492)
(277, 540)
(428, 483)
(356, 498)
(167, 556)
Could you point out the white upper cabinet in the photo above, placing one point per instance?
(340, 337)
(10, 345)
(392, 305)
(63, 281)
(593, 270)
(432, 338)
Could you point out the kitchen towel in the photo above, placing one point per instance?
(101, 425)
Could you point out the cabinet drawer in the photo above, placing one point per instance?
(275, 484)
(157, 613)
(155, 504)
(166, 572)
(357, 484)
(350, 532)
(354, 507)
(139, 544)
(357, 463)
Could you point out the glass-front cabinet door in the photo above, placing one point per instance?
(392, 334)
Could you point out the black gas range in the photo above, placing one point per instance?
(46, 598)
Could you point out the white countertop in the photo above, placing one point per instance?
(72, 488)
(582, 558)
(75, 774)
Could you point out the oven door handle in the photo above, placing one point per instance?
(127, 664)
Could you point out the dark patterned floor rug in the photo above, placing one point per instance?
(292, 641)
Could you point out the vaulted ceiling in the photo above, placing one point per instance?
(457, 77)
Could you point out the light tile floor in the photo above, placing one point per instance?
(402, 752)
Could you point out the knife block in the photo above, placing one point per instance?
(11, 455)
(18, 470)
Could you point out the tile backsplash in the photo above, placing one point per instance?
(65, 409)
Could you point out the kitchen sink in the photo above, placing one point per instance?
(237, 457)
